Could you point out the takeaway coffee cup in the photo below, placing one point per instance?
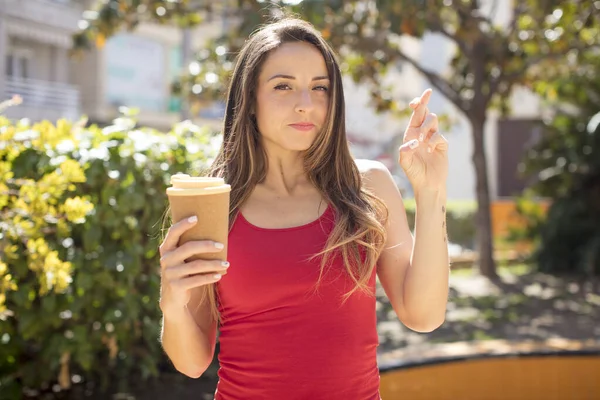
(208, 199)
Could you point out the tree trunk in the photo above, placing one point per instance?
(485, 247)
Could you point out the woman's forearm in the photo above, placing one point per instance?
(189, 348)
(426, 281)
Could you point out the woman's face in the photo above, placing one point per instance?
(292, 96)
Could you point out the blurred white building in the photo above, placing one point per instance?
(35, 38)
(134, 69)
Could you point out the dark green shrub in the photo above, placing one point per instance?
(567, 166)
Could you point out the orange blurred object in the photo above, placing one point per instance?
(499, 370)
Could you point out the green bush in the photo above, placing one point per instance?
(566, 164)
(568, 238)
(81, 214)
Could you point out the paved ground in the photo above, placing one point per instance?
(526, 306)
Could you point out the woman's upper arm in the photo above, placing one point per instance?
(395, 257)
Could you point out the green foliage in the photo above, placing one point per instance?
(209, 74)
(81, 211)
(567, 165)
(108, 17)
(570, 238)
(489, 59)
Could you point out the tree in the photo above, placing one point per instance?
(489, 59)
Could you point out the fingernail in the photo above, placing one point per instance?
(225, 264)
(421, 137)
(413, 144)
(429, 149)
(193, 219)
(219, 245)
(217, 276)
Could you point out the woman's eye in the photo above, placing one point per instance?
(285, 86)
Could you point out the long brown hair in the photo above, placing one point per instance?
(359, 234)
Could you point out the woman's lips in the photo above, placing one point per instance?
(303, 126)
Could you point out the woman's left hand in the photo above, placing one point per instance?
(424, 152)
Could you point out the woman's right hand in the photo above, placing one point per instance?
(178, 277)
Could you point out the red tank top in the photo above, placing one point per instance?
(281, 339)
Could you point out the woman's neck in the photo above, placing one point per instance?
(285, 176)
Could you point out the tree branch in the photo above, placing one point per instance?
(392, 52)
(440, 83)
(518, 10)
(438, 26)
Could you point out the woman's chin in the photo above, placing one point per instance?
(297, 145)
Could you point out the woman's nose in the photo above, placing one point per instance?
(304, 102)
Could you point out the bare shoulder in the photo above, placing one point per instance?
(376, 176)
(365, 165)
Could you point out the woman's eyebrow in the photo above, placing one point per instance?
(316, 78)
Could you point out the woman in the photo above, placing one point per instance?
(310, 229)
